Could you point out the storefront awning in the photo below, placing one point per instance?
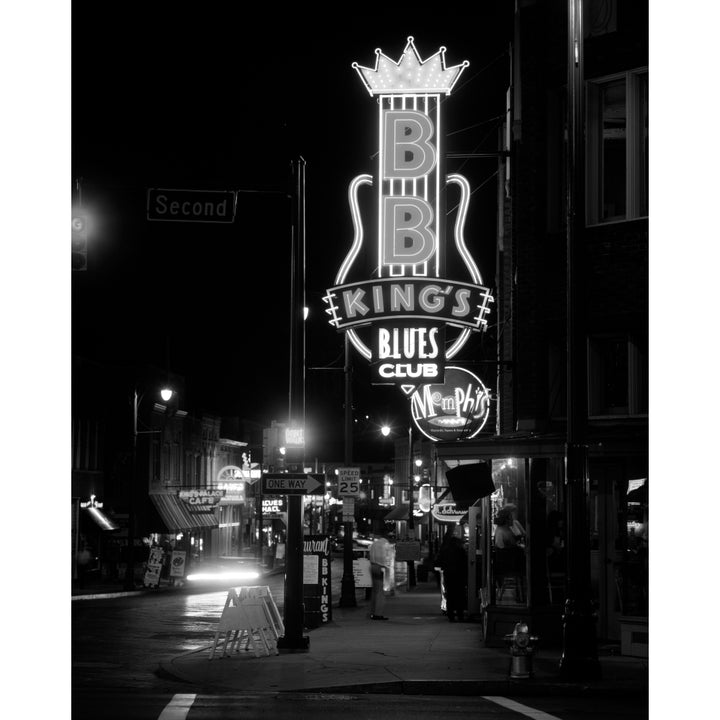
(102, 520)
(176, 516)
(397, 513)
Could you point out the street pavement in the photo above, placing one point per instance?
(417, 651)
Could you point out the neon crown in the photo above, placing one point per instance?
(410, 73)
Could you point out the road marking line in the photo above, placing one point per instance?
(178, 707)
(517, 707)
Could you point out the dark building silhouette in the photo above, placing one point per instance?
(527, 451)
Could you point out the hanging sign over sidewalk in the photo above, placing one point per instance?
(398, 318)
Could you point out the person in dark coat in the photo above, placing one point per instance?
(452, 558)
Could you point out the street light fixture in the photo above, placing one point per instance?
(385, 430)
(129, 584)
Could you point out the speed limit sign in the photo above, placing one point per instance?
(349, 481)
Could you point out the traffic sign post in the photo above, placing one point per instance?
(349, 481)
(348, 489)
(292, 483)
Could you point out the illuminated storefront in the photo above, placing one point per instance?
(528, 580)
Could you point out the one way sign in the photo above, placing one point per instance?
(292, 483)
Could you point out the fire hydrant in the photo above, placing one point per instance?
(522, 647)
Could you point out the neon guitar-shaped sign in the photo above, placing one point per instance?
(408, 303)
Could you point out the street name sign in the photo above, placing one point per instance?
(293, 483)
(349, 481)
(207, 206)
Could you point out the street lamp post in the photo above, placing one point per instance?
(347, 584)
(129, 583)
(411, 509)
(293, 640)
(130, 565)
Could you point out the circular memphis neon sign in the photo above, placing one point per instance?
(454, 410)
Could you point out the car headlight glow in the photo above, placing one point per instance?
(227, 575)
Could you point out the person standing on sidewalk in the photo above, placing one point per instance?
(452, 558)
(378, 555)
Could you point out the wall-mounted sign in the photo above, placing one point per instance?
(294, 437)
(273, 507)
(425, 498)
(191, 205)
(454, 410)
(405, 308)
(201, 500)
(447, 512)
(248, 473)
(234, 493)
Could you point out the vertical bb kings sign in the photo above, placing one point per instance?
(399, 318)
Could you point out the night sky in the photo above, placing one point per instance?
(215, 97)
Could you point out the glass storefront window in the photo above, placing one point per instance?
(633, 576)
(509, 537)
(547, 483)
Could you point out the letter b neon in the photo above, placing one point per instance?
(407, 237)
(408, 150)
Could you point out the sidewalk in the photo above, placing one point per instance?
(417, 651)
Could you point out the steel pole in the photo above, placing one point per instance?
(129, 583)
(294, 611)
(411, 582)
(347, 584)
(579, 656)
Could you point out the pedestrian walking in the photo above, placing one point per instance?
(378, 555)
(84, 557)
(452, 559)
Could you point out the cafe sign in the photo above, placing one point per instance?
(398, 317)
(201, 500)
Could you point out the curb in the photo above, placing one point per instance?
(472, 688)
(108, 595)
(463, 688)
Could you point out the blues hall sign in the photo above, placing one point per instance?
(408, 318)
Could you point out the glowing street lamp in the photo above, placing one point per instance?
(166, 393)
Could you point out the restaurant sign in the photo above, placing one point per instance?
(398, 317)
(447, 512)
(201, 500)
(454, 410)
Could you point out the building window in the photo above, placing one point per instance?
(557, 378)
(617, 147)
(618, 379)
(508, 531)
